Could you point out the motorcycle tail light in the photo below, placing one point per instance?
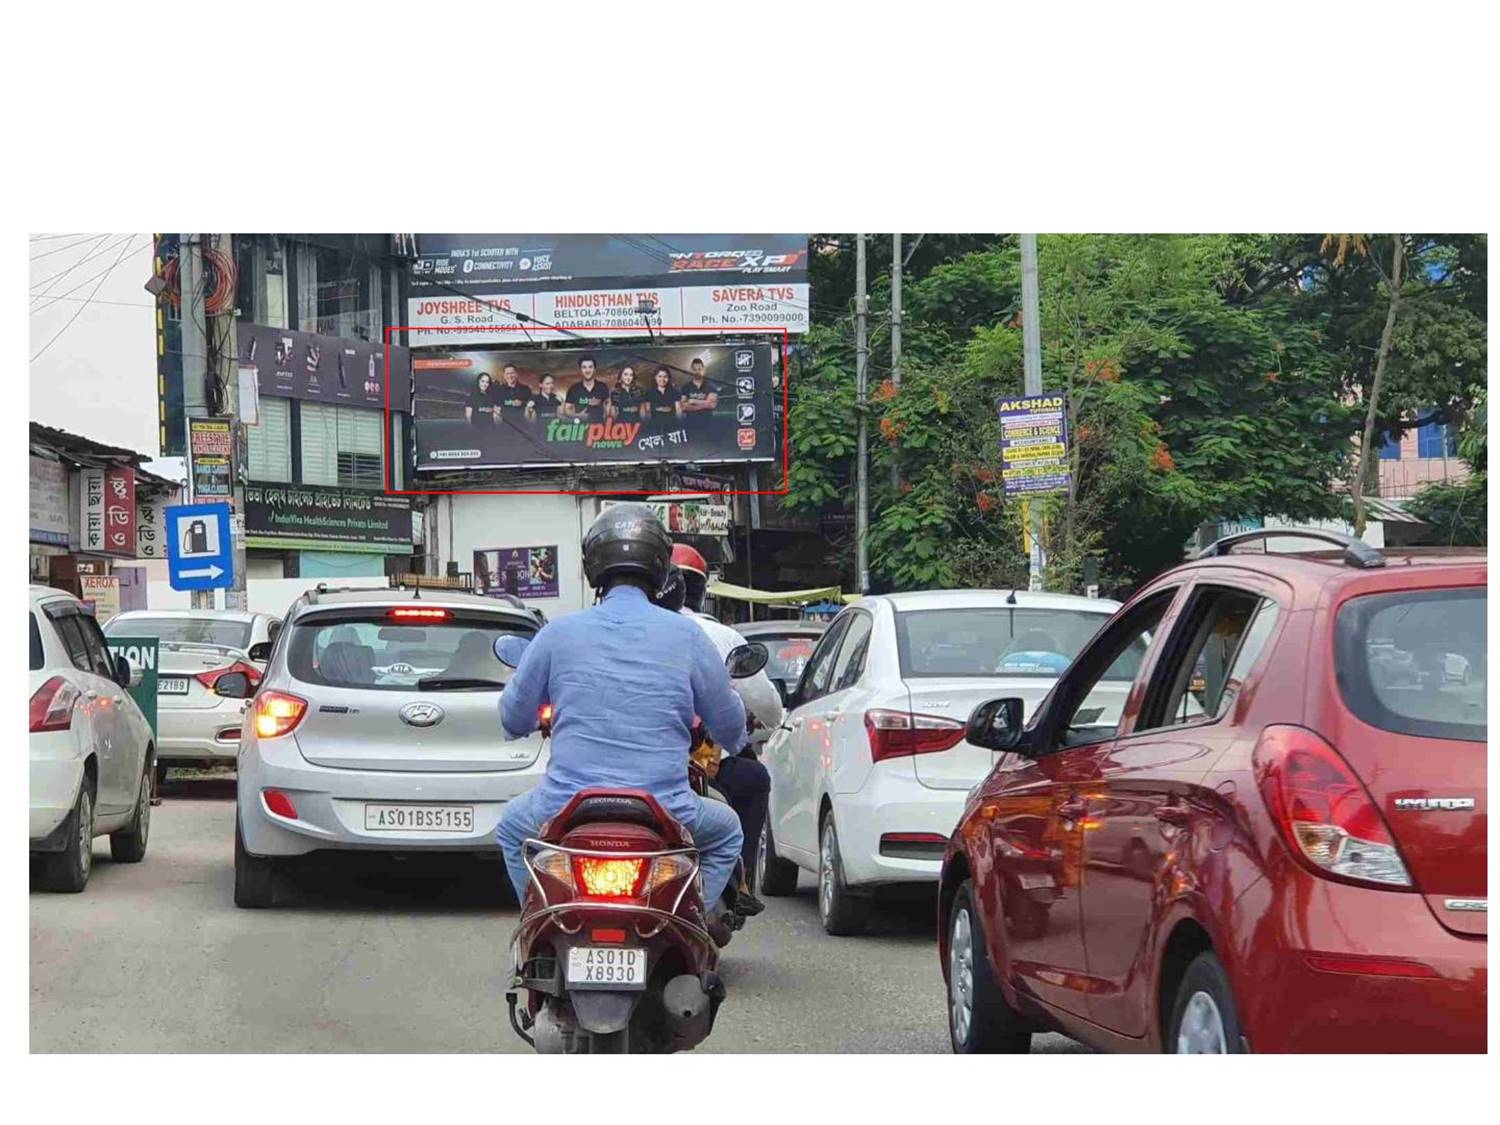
(1322, 811)
(554, 865)
(667, 869)
(609, 878)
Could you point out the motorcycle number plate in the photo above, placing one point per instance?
(594, 966)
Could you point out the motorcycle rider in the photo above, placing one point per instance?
(741, 777)
(625, 679)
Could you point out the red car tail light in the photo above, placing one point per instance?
(276, 713)
(412, 613)
(900, 734)
(279, 803)
(252, 673)
(1324, 814)
(52, 705)
(609, 878)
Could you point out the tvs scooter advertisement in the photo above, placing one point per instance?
(463, 285)
(603, 406)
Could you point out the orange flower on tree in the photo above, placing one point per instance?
(1161, 459)
(885, 392)
(985, 501)
(890, 429)
(1106, 370)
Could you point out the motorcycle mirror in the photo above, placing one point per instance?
(509, 649)
(746, 660)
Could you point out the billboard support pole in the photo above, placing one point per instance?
(862, 468)
(1031, 337)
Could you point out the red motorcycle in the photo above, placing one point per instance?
(613, 952)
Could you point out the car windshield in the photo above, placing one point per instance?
(1415, 662)
(789, 654)
(369, 650)
(1004, 641)
(205, 630)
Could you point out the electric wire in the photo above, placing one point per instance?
(69, 246)
(53, 298)
(79, 311)
(35, 296)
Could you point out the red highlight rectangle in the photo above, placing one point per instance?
(786, 412)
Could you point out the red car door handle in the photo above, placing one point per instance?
(1072, 810)
(1173, 814)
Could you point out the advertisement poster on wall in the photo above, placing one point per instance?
(49, 502)
(705, 403)
(526, 572)
(323, 368)
(210, 449)
(313, 517)
(100, 593)
(1034, 445)
(594, 284)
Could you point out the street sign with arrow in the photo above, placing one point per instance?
(200, 552)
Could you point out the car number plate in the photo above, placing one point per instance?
(172, 685)
(592, 966)
(419, 818)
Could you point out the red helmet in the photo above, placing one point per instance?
(687, 558)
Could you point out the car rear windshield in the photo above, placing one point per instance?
(995, 641)
(205, 630)
(789, 654)
(370, 650)
(1415, 663)
(37, 658)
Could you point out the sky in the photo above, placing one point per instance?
(92, 339)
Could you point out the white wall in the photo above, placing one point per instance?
(484, 523)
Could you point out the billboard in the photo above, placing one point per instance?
(333, 369)
(210, 446)
(49, 502)
(464, 285)
(314, 517)
(170, 413)
(1034, 445)
(604, 406)
(526, 572)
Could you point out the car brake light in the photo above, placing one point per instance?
(900, 734)
(610, 878)
(52, 705)
(279, 803)
(410, 613)
(252, 673)
(1323, 813)
(276, 713)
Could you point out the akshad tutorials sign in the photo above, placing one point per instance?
(703, 403)
(1034, 445)
(594, 284)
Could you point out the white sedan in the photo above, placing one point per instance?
(196, 725)
(91, 748)
(870, 769)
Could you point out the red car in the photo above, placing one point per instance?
(1280, 844)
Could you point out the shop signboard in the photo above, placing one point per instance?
(210, 455)
(464, 285)
(1034, 445)
(142, 652)
(101, 594)
(148, 533)
(702, 403)
(526, 572)
(686, 517)
(49, 502)
(91, 510)
(315, 517)
(305, 365)
(119, 511)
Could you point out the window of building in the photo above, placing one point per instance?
(1390, 447)
(1437, 439)
(341, 445)
(271, 441)
(343, 299)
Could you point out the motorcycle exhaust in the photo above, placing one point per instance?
(547, 1033)
(689, 1014)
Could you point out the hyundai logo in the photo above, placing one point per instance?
(421, 714)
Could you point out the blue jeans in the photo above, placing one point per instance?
(716, 833)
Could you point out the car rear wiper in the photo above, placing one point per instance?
(457, 683)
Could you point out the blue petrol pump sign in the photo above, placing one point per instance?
(200, 554)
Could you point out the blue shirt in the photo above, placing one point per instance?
(625, 680)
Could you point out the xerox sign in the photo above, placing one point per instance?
(463, 285)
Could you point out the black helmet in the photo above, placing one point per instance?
(673, 590)
(627, 538)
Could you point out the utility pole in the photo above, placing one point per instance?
(1031, 340)
(226, 369)
(194, 362)
(895, 340)
(861, 379)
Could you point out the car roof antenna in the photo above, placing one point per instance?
(416, 595)
(1010, 598)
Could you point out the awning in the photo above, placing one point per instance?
(768, 597)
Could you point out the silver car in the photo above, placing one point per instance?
(377, 728)
(195, 725)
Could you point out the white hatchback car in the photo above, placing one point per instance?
(870, 770)
(377, 728)
(196, 726)
(91, 748)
